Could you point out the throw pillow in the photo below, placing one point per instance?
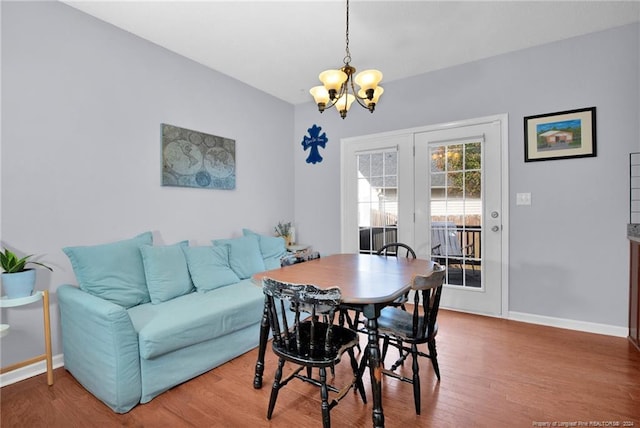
(271, 247)
(165, 268)
(112, 271)
(209, 267)
(244, 255)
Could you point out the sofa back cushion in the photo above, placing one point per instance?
(209, 267)
(165, 268)
(245, 257)
(272, 248)
(113, 271)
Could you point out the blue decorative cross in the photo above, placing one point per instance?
(313, 141)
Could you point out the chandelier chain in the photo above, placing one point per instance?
(347, 58)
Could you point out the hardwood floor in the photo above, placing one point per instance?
(495, 373)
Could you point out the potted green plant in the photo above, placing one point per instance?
(285, 230)
(17, 279)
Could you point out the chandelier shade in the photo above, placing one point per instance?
(368, 79)
(378, 91)
(338, 86)
(333, 79)
(344, 103)
(320, 95)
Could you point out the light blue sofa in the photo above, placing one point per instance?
(146, 318)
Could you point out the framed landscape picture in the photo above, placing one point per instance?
(561, 135)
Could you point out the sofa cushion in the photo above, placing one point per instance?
(272, 248)
(209, 267)
(165, 268)
(196, 317)
(245, 257)
(113, 271)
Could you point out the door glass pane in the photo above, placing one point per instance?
(456, 211)
(377, 199)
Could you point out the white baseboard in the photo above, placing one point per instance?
(589, 327)
(29, 371)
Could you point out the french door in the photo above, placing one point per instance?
(379, 206)
(442, 190)
(459, 212)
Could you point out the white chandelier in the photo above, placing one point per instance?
(338, 85)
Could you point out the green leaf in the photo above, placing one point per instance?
(40, 264)
(10, 263)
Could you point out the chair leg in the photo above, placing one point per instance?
(324, 395)
(275, 388)
(310, 372)
(351, 323)
(403, 352)
(416, 378)
(345, 318)
(364, 359)
(355, 325)
(433, 356)
(357, 320)
(400, 347)
(385, 347)
(358, 386)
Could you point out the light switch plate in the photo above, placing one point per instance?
(523, 198)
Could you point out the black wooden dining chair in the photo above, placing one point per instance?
(406, 330)
(398, 249)
(312, 341)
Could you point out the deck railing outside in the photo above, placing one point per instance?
(373, 238)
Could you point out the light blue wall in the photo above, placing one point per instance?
(568, 250)
(82, 104)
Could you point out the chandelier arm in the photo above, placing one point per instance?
(332, 102)
(359, 100)
(355, 94)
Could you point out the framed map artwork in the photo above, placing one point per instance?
(194, 159)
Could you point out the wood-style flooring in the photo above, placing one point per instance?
(495, 373)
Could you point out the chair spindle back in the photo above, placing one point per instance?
(307, 302)
(427, 298)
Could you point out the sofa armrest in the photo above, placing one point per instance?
(100, 347)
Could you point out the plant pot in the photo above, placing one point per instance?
(19, 284)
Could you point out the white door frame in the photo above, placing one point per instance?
(346, 242)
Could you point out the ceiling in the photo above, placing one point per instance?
(280, 47)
